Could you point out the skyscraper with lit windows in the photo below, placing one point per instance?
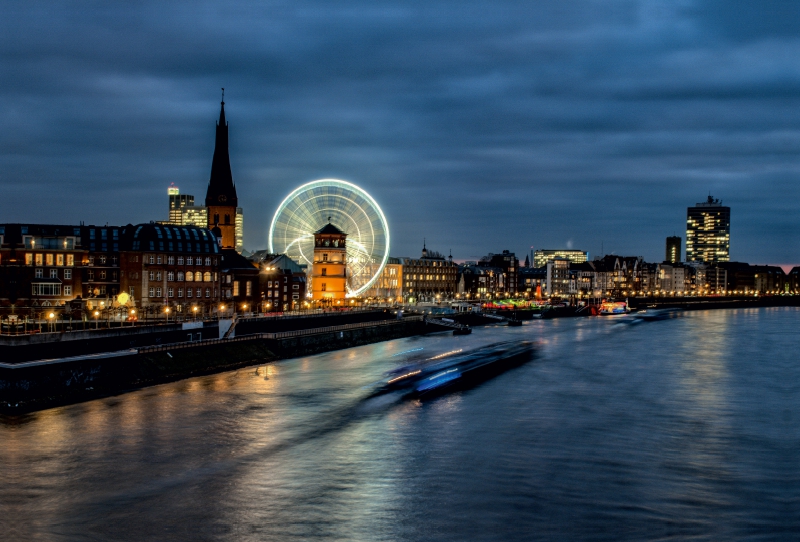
(708, 232)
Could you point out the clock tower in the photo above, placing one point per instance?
(221, 199)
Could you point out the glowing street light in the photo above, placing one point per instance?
(96, 314)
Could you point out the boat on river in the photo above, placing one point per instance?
(456, 369)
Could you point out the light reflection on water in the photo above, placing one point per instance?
(685, 428)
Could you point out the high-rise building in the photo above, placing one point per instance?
(177, 202)
(541, 257)
(673, 249)
(708, 232)
(224, 215)
(195, 216)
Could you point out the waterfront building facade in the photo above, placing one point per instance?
(389, 284)
(175, 267)
(508, 262)
(282, 282)
(429, 277)
(708, 229)
(479, 282)
(673, 254)
(541, 257)
(329, 270)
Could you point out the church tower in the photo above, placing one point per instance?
(224, 216)
(329, 273)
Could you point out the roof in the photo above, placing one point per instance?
(169, 238)
(233, 260)
(329, 229)
(221, 190)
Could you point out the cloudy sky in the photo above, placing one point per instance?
(480, 126)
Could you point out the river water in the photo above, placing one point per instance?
(683, 428)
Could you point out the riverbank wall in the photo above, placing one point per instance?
(31, 386)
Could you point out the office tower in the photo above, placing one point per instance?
(708, 232)
(673, 249)
(177, 202)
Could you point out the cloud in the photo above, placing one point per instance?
(481, 126)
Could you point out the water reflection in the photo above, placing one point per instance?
(670, 429)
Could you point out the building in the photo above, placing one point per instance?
(282, 282)
(225, 217)
(541, 257)
(509, 264)
(329, 271)
(166, 266)
(673, 254)
(558, 277)
(194, 216)
(617, 276)
(671, 278)
(240, 281)
(708, 229)
(177, 202)
(429, 277)
(389, 284)
(532, 281)
(480, 282)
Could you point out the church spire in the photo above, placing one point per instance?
(221, 190)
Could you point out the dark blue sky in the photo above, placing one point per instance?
(482, 126)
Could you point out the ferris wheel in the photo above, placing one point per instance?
(346, 206)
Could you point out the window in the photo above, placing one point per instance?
(208, 292)
(67, 273)
(248, 287)
(199, 261)
(324, 271)
(39, 259)
(324, 287)
(90, 274)
(269, 293)
(236, 287)
(67, 290)
(188, 292)
(152, 259)
(170, 276)
(54, 273)
(284, 289)
(102, 275)
(295, 287)
(29, 259)
(158, 260)
(189, 276)
(208, 261)
(152, 275)
(158, 292)
(49, 259)
(170, 292)
(158, 275)
(102, 260)
(207, 276)
(199, 292)
(171, 260)
(132, 291)
(189, 260)
(39, 273)
(228, 294)
(324, 257)
(59, 259)
(180, 292)
(46, 289)
(152, 292)
(180, 260)
(269, 284)
(295, 296)
(70, 260)
(180, 276)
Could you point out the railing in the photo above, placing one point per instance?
(278, 335)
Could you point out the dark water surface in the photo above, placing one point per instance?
(680, 429)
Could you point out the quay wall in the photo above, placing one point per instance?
(30, 387)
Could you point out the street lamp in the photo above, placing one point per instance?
(166, 313)
(194, 309)
(96, 314)
(51, 316)
(133, 316)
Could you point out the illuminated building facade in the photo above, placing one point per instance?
(329, 272)
(708, 232)
(389, 284)
(166, 265)
(673, 254)
(429, 277)
(541, 257)
(177, 202)
(194, 216)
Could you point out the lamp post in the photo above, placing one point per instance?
(51, 316)
(194, 310)
(133, 316)
(96, 315)
(166, 313)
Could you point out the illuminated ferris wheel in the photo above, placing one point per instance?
(352, 210)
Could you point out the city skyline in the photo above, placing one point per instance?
(533, 126)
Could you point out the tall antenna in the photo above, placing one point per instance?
(223, 94)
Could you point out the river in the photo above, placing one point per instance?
(682, 428)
